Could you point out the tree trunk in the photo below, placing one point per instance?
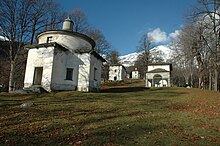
(201, 71)
(216, 79)
(11, 77)
(33, 33)
(210, 80)
(186, 80)
(201, 78)
(191, 82)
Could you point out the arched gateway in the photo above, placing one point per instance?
(158, 75)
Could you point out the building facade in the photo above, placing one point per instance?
(63, 60)
(117, 73)
(135, 74)
(158, 75)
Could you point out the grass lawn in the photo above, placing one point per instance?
(125, 114)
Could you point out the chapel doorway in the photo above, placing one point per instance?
(38, 72)
(156, 80)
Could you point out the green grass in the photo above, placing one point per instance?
(126, 115)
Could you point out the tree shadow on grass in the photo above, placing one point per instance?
(124, 89)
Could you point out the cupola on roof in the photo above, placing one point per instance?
(68, 24)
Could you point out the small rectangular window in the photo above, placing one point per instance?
(49, 39)
(95, 74)
(69, 74)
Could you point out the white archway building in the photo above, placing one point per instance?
(158, 75)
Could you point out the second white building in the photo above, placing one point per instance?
(117, 73)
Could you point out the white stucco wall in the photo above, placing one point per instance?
(135, 74)
(69, 41)
(95, 76)
(62, 61)
(148, 84)
(118, 72)
(84, 71)
(41, 57)
(152, 67)
(114, 71)
(162, 83)
(163, 74)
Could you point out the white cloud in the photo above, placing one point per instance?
(157, 35)
(174, 35)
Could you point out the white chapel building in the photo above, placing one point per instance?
(158, 75)
(63, 60)
(135, 74)
(117, 73)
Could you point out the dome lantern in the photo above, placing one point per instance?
(68, 24)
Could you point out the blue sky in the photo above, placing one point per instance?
(123, 22)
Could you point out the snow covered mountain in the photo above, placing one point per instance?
(129, 59)
(162, 51)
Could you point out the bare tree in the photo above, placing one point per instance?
(208, 15)
(81, 25)
(190, 46)
(4, 68)
(113, 58)
(20, 20)
(37, 19)
(14, 26)
(45, 15)
(105, 72)
(102, 45)
(145, 44)
(55, 16)
(156, 56)
(80, 20)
